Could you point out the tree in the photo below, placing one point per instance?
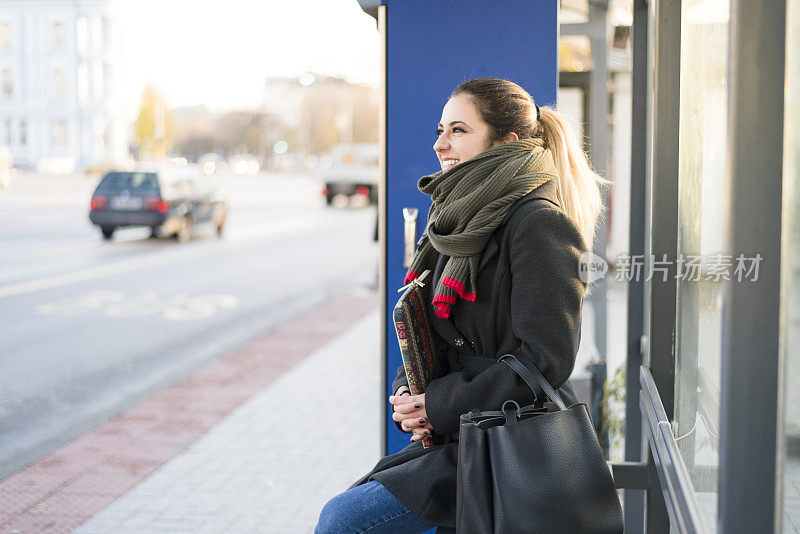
(153, 126)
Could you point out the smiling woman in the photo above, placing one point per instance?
(513, 208)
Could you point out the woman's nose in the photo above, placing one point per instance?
(440, 144)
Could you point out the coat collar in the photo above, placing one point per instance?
(547, 191)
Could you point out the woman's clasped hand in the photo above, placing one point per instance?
(409, 411)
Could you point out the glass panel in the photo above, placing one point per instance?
(790, 286)
(700, 267)
(59, 133)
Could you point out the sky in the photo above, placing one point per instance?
(218, 53)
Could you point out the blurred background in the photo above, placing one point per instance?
(180, 177)
(239, 141)
(177, 177)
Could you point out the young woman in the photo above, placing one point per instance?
(513, 208)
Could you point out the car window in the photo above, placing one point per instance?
(133, 182)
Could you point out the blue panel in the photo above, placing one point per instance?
(432, 46)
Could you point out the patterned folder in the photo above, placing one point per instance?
(417, 345)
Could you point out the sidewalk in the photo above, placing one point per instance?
(255, 442)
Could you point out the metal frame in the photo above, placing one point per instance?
(676, 486)
(667, 464)
(635, 498)
(660, 320)
(597, 147)
(381, 20)
(751, 360)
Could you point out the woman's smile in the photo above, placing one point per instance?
(447, 163)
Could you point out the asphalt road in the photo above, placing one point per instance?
(87, 327)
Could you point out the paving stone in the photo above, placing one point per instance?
(259, 471)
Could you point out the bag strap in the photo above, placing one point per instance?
(527, 370)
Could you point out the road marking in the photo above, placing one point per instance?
(276, 230)
(178, 307)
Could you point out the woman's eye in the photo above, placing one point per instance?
(457, 129)
(438, 132)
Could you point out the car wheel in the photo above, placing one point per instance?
(185, 231)
(108, 232)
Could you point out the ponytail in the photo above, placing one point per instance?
(578, 184)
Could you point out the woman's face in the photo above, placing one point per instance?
(462, 133)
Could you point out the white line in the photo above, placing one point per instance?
(278, 229)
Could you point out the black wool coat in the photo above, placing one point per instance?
(529, 298)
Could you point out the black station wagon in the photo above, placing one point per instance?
(170, 202)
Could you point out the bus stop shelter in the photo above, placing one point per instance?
(692, 108)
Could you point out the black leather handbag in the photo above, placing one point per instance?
(533, 470)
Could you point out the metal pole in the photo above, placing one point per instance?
(660, 325)
(598, 151)
(382, 221)
(635, 499)
(751, 360)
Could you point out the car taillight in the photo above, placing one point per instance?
(99, 202)
(324, 191)
(362, 190)
(156, 204)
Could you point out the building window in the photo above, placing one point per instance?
(83, 82)
(58, 33)
(97, 34)
(23, 132)
(97, 79)
(106, 25)
(7, 132)
(58, 83)
(59, 132)
(107, 136)
(7, 83)
(82, 36)
(100, 138)
(108, 80)
(5, 34)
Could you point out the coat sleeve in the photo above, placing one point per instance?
(545, 306)
(399, 381)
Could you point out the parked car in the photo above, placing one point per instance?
(170, 201)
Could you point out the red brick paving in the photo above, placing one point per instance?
(68, 487)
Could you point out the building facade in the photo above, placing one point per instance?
(59, 89)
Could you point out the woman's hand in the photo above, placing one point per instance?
(409, 411)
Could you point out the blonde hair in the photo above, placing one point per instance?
(578, 184)
(506, 107)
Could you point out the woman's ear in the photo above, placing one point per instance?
(507, 139)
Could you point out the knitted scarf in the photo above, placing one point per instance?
(468, 203)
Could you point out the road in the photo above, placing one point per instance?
(87, 327)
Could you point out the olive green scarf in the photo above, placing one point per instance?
(469, 201)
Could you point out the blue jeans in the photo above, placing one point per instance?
(368, 508)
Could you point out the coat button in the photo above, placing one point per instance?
(459, 341)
